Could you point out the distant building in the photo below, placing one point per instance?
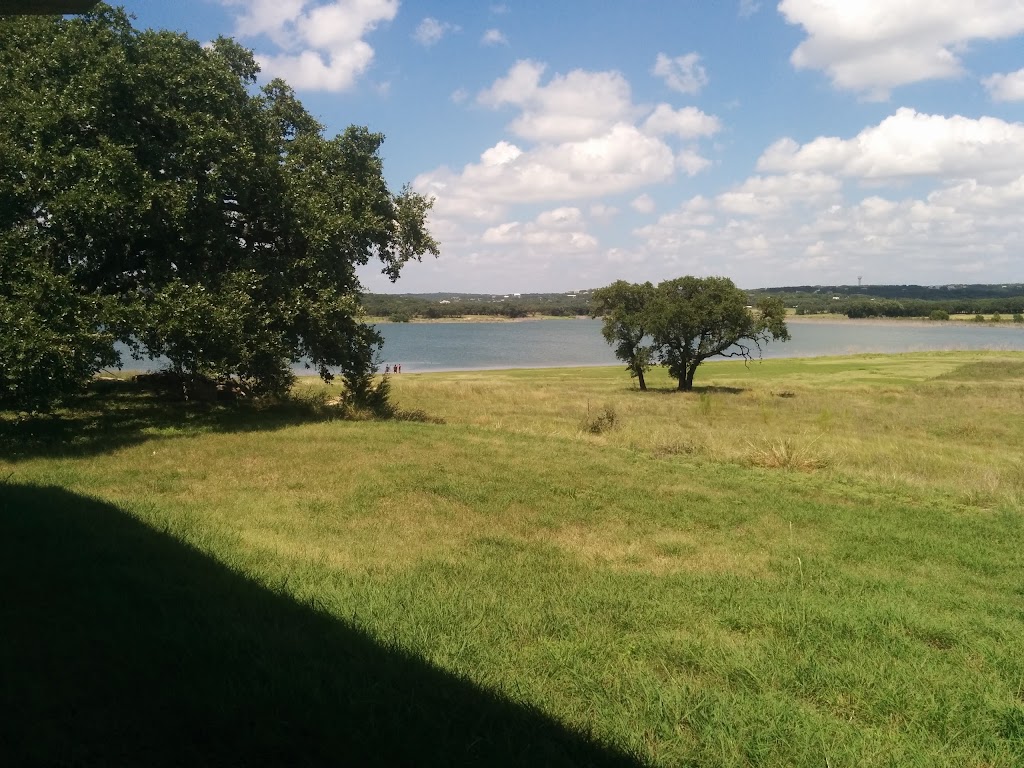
(445, 301)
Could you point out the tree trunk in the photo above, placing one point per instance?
(640, 378)
(686, 381)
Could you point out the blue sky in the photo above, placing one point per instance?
(569, 144)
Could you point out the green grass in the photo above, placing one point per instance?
(804, 562)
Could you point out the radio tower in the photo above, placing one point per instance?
(859, 278)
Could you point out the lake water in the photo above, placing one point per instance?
(572, 343)
(423, 347)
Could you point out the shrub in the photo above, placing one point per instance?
(601, 421)
(1018, 317)
(938, 314)
(997, 318)
(979, 318)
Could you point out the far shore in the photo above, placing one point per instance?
(826, 318)
(473, 319)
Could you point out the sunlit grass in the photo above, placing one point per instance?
(802, 562)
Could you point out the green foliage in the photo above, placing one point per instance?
(1018, 317)
(624, 309)
(52, 338)
(168, 206)
(938, 314)
(979, 318)
(689, 319)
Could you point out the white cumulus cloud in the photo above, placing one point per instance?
(687, 122)
(1008, 87)
(643, 204)
(910, 144)
(320, 45)
(682, 73)
(493, 37)
(572, 106)
(430, 31)
(873, 46)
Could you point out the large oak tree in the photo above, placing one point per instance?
(683, 322)
(151, 194)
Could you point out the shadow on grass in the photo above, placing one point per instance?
(122, 646)
(113, 415)
(697, 390)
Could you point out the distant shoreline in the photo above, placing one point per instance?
(799, 319)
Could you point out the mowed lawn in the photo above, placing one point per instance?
(803, 562)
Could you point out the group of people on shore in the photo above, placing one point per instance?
(396, 368)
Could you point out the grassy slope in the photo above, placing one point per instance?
(806, 562)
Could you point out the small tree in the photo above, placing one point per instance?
(938, 314)
(625, 307)
(692, 319)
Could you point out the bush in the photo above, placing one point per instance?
(938, 314)
(979, 318)
(997, 318)
(601, 421)
(1018, 317)
(399, 317)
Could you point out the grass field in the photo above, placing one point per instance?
(811, 562)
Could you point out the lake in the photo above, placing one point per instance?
(570, 343)
(421, 347)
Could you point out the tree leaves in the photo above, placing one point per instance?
(689, 319)
(169, 205)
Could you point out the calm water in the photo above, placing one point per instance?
(573, 343)
(570, 343)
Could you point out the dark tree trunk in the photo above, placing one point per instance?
(686, 381)
(640, 378)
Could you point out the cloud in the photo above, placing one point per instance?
(910, 145)
(873, 46)
(621, 159)
(683, 73)
(771, 195)
(430, 31)
(1008, 87)
(560, 230)
(573, 106)
(687, 123)
(321, 44)
(494, 37)
(748, 8)
(643, 204)
(574, 137)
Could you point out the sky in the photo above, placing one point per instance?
(572, 143)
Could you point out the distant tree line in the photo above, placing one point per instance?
(899, 300)
(403, 308)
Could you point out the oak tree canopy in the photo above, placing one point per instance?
(151, 194)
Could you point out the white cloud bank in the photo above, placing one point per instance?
(873, 46)
(322, 44)
(1008, 87)
(910, 145)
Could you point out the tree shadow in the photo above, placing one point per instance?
(118, 414)
(710, 389)
(122, 646)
